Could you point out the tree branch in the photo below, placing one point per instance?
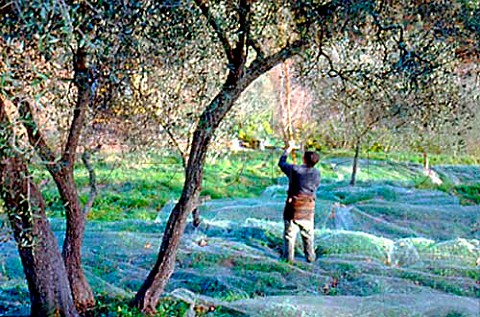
(240, 52)
(261, 66)
(86, 86)
(175, 143)
(203, 5)
(256, 47)
(35, 135)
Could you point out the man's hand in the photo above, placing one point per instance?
(291, 146)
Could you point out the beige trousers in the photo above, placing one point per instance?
(292, 227)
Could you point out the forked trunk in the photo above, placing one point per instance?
(62, 173)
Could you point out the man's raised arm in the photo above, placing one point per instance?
(282, 163)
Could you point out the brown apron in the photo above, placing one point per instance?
(299, 207)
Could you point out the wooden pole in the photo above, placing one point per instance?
(288, 95)
(288, 106)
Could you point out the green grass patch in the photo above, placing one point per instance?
(468, 194)
(440, 283)
(411, 157)
(135, 187)
(168, 306)
(353, 243)
(262, 266)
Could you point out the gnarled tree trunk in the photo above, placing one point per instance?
(72, 244)
(64, 179)
(50, 292)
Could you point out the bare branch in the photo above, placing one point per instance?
(203, 5)
(175, 143)
(256, 47)
(243, 32)
(261, 66)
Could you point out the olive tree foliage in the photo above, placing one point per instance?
(373, 98)
(441, 114)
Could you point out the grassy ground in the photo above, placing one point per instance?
(416, 158)
(134, 187)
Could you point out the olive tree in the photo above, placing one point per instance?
(247, 34)
(56, 56)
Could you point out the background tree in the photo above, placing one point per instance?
(374, 89)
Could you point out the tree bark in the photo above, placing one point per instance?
(353, 179)
(64, 178)
(196, 218)
(50, 292)
(82, 293)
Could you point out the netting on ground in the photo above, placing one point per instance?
(383, 250)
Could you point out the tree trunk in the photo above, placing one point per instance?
(82, 293)
(238, 79)
(426, 164)
(50, 292)
(196, 218)
(147, 297)
(353, 179)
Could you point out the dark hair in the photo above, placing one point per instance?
(311, 158)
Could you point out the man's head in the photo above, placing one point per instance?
(310, 158)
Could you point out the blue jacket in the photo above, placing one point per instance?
(303, 180)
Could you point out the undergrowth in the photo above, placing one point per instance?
(167, 307)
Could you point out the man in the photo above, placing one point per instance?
(300, 205)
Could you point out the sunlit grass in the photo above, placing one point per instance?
(137, 187)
